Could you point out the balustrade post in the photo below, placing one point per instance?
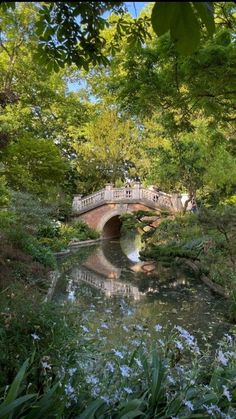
(108, 193)
(136, 191)
(176, 202)
(76, 204)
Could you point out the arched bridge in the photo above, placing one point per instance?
(101, 210)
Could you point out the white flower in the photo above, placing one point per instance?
(158, 327)
(128, 390)
(179, 345)
(35, 337)
(211, 409)
(118, 354)
(69, 389)
(84, 328)
(227, 394)
(190, 340)
(221, 358)
(125, 328)
(45, 365)
(188, 404)
(71, 371)
(129, 312)
(104, 326)
(162, 343)
(105, 399)
(138, 362)
(95, 392)
(110, 366)
(170, 379)
(91, 379)
(228, 338)
(138, 327)
(180, 370)
(136, 342)
(125, 370)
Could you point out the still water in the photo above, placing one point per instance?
(106, 278)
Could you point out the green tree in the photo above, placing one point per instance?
(166, 94)
(42, 106)
(35, 166)
(108, 150)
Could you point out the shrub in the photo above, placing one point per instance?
(39, 252)
(84, 232)
(50, 230)
(4, 192)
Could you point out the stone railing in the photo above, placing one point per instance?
(136, 194)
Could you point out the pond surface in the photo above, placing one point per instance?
(105, 279)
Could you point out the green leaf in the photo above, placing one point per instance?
(91, 410)
(185, 29)
(157, 376)
(48, 32)
(205, 11)
(14, 388)
(133, 414)
(130, 406)
(7, 409)
(5, 5)
(44, 404)
(182, 22)
(162, 15)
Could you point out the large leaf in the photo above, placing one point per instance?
(45, 403)
(205, 11)
(7, 409)
(181, 20)
(130, 408)
(157, 377)
(91, 410)
(185, 29)
(15, 386)
(162, 15)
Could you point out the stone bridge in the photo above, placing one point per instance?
(101, 210)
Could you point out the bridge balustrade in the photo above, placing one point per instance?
(136, 194)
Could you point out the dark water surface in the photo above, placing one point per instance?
(106, 279)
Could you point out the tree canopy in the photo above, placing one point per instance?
(156, 107)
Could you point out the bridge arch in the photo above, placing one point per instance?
(110, 224)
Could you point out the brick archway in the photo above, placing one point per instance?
(112, 228)
(109, 224)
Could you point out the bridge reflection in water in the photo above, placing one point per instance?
(108, 286)
(99, 271)
(104, 269)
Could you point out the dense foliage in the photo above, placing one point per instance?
(90, 95)
(75, 371)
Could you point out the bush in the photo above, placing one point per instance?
(55, 244)
(4, 192)
(39, 252)
(84, 232)
(50, 230)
